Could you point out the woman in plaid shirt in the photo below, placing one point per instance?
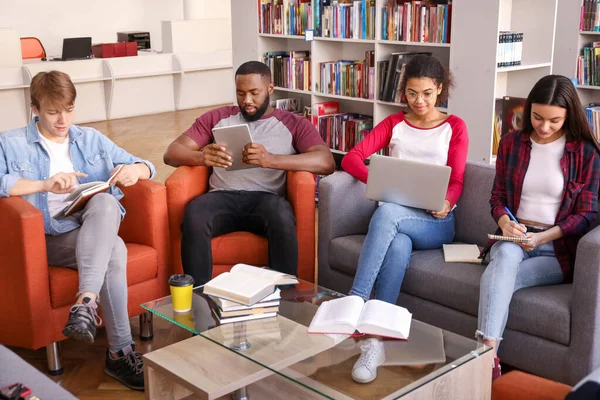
(547, 176)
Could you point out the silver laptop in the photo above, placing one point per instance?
(409, 183)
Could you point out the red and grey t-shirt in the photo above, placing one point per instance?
(280, 132)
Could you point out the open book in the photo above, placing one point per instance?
(350, 314)
(246, 284)
(81, 195)
(458, 252)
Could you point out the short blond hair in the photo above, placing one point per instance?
(52, 87)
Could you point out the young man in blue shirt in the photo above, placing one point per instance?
(44, 162)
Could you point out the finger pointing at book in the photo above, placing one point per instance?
(62, 182)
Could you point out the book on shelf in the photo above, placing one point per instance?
(351, 78)
(592, 112)
(343, 131)
(589, 20)
(288, 104)
(246, 284)
(510, 49)
(289, 69)
(351, 315)
(285, 17)
(460, 252)
(416, 21)
(323, 108)
(346, 19)
(79, 197)
(390, 75)
(508, 117)
(588, 65)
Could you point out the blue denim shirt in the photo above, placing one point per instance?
(23, 156)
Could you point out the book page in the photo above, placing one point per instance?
(337, 316)
(268, 275)
(237, 287)
(385, 319)
(82, 188)
(92, 185)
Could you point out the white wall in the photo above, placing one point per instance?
(51, 21)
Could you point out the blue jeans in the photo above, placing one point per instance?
(394, 231)
(511, 268)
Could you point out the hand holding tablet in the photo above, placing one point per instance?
(230, 142)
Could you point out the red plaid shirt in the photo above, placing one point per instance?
(581, 169)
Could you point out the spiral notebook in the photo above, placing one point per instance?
(509, 238)
(459, 252)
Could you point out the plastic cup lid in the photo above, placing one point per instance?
(181, 280)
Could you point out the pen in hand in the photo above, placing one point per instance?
(512, 217)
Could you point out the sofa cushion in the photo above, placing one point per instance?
(540, 311)
(543, 311)
(142, 265)
(455, 285)
(473, 217)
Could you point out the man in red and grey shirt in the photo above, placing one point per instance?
(248, 199)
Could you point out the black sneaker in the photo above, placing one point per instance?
(82, 323)
(129, 369)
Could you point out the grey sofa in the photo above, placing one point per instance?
(552, 331)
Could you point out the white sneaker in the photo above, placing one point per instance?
(371, 357)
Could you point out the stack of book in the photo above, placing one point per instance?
(227, 311)
(246, 293)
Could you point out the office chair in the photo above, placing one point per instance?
(31, 47)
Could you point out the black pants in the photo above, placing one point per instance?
(218, 213)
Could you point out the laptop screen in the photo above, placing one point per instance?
(77, 48)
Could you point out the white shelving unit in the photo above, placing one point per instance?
(471, 57)
(476, 26)
(111, 88)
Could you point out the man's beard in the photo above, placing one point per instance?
(260, 111)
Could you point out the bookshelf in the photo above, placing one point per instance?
(475, 24)
(570, 43)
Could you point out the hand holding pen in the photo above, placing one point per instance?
(513, 227)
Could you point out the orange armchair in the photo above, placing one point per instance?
(187, 183)
(36, 298)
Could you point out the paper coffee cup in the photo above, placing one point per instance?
(181, 286)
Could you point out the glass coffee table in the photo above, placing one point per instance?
(276, 357)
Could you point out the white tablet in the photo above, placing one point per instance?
(235, 138)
